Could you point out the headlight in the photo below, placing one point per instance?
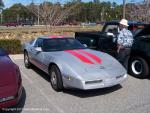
(7, 99)
(68, 78)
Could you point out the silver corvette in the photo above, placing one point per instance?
(71, 65)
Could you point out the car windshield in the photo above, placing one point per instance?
(61, 44)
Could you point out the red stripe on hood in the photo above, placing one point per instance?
(56, 36)
(94, 57)
(61, 37)
(79, 56)
(53, 36)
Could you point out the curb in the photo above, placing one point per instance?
(16, 57)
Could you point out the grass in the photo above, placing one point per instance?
(55, 29)
(28, 33)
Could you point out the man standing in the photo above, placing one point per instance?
(124, 42)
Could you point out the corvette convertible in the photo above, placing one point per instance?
(71, 65)
(10, 81)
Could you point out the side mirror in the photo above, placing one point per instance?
(85, 45)
(110, 34)
(38, 49)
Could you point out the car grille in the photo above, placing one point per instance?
(93, 82)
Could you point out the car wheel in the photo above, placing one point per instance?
(26, 60)
(138, 67)
(55, 78)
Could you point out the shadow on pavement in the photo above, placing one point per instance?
(92, 93)
(18, 108)
(41, 73)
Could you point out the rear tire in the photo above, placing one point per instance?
(55, 78)
(26, 60)
(138, 67)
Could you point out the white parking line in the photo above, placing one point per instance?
(50, 101)
(16, 57)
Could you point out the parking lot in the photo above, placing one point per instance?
(132, 96)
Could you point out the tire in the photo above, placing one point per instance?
(55, 78)
(138, 67)
(26, 60)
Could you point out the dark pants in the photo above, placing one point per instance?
(123, 56)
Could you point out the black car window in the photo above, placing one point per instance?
(61, 44)
(112, 29)
(38, 43)
(51, 45)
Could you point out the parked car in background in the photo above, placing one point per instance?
(71, 65)
(139, 63)
(26, 23)
(9, 24)
(88, 24)
(106, 41)
(10, 81)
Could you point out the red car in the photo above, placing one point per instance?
(10, 81)
(9, 24)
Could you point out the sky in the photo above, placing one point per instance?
(9, 3)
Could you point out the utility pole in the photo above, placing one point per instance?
(124, 8)
(102, 14)
(1, 16)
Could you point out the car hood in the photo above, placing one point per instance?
(89, 63)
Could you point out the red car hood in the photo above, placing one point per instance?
(8, 78)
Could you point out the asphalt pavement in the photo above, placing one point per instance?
(132, 96)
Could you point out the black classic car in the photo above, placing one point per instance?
(106, 41)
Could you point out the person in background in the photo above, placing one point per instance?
(124, 43)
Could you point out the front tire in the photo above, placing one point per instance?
(138, 67)
(26, 60)
(55, 78)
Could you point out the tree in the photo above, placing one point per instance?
(53, 13)
(1, 10)
(72, 12)
(96, 1)
(16, 13)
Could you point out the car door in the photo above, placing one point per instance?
(37, 53)
(108, 39)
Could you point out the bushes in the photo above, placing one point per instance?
(12, 46)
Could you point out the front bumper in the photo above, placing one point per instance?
(12, 102)
(95, 84)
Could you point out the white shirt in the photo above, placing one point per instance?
(125, 38)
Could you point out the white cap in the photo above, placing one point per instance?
(124, 22)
